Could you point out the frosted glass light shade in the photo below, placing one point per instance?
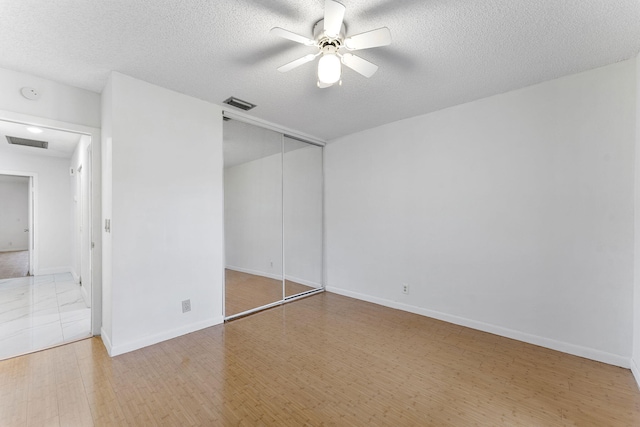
(329, 68)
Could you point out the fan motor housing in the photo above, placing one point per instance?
(323, 40)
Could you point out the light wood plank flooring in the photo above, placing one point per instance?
(245, 291)
(322, 360)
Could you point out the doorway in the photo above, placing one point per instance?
(15, 226)
(51, 304)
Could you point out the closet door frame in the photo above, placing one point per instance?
(307, 140)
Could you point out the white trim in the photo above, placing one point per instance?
(96, 220)
(303, 282)
(246, 118)
(76, 277)
(254, 310)
(274, 304)
(85, 297)
(13, 248)
(43, 122)
(576, 350)
(162, 336)
(54, 270)
(106, 341)
(274, 276)
(254, 272)
(635, 371)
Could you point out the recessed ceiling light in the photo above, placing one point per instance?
(34, 129)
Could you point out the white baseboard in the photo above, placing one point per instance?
(576, 350)
(254, 272)
(162, 336)
(106, 341)
(53, 270)
(635, 371)
(13, 249)
(274, 276)
(76, 277)
(303, 282)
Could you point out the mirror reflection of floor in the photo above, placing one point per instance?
(244, 291)
(38, 312)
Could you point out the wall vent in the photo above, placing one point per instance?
(239, 103)
(27, 142)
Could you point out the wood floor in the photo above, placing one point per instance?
(322, 360)
(245, 291)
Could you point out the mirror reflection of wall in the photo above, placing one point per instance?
(273, 217)
(253, 216)
(302, 208)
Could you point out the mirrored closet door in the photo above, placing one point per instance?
(302, 210)
(273, 218)
(253, 217)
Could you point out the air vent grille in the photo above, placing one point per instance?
(239, 103)
(27, 142)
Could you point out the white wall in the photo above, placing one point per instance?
(303, 187)
(255, 214)
(166, 213)
(635, 360)
(253, 217)
(54, 207)
(14, 213)
(57, 101)
(512, 214)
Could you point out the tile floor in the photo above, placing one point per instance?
(37, 312)
(14, 264)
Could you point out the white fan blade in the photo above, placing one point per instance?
(333, 17)
(359, 65)
(324, 85)
(286, 34)
(298, 62)
(373, 38)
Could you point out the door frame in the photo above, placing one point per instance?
(32, 204)
(95, 203)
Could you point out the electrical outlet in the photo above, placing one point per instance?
(186, 305)
(405, 288)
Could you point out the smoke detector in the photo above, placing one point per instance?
(30, 93)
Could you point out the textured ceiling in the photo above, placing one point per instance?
(444, 52)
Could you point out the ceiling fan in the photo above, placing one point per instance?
(330, 39)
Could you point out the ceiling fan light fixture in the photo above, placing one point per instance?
(329, 68)
(329, 38)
